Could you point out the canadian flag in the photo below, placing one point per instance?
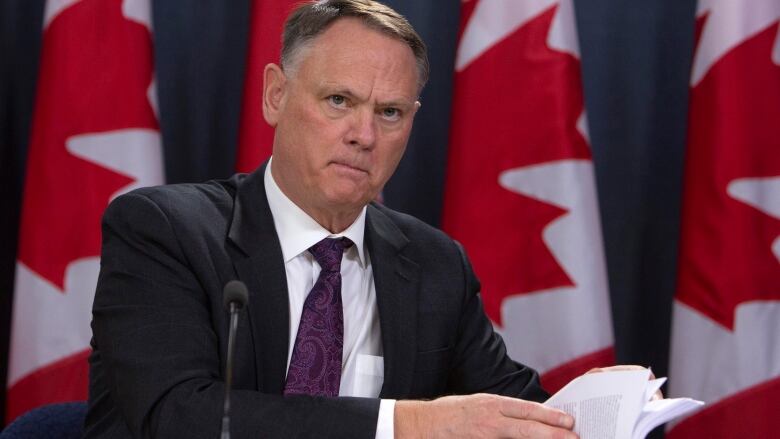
(255, 137)
(520, 191)
(726, 322)
(94, 136)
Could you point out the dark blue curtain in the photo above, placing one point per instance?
(635, 58)
(20, 41)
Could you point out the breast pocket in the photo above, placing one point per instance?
(369, 375)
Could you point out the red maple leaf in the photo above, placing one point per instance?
(95, 69)
(726, 257)
(516, 105)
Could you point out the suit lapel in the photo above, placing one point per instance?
(260, 264)
(396, 279)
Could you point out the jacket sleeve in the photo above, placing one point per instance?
(156, 360)
(481, 363)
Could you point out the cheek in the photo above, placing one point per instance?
(319, 129)
(391, 155)
(307, 132)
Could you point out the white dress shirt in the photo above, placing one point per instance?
(362, 370)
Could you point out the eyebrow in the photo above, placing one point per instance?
(397, 104)
(401, 103)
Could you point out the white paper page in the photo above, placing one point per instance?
(652, 387)
(661, 411)
(605, 405)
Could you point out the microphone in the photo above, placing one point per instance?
(235, 297)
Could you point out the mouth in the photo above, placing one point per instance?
(345, 167)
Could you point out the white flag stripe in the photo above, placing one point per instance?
(491, 22)
(563, 33)
(132, 152)
(711, 362)
(54, 8)
(763, 193)
(548, 328)
(50, 324)
(730, 23)
(139, 11)
(708, 360)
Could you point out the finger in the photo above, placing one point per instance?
(621, 368)
(524, 429)
(657, 396)
(533, 411)
(618, 368)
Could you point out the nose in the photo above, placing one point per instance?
(362, 132)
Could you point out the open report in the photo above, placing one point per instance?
(618, 405)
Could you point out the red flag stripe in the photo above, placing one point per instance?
(726, 321)
(94, 136)
(61, 381)
(255, 136)
(520, 193)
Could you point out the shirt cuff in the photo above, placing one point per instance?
(384, 424)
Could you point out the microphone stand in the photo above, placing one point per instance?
(229, 374)
(236, 297)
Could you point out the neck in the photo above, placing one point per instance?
(334, 222)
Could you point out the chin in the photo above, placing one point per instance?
(348, 194)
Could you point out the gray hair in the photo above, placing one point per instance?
(312, 18)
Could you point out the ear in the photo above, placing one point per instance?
(274, 82)
(417, 106)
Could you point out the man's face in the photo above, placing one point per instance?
(342, 115)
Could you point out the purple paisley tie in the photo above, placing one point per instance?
(315, 365)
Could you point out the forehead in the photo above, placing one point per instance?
(350, 51)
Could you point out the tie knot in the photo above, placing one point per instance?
(328, 252)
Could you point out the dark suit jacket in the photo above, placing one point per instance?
(160, 329)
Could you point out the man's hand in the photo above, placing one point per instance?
(480, 416)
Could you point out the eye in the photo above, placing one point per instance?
(391, 114)
(337, 100)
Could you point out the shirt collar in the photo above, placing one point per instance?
(298, 231)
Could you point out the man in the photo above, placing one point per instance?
(349, 301)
